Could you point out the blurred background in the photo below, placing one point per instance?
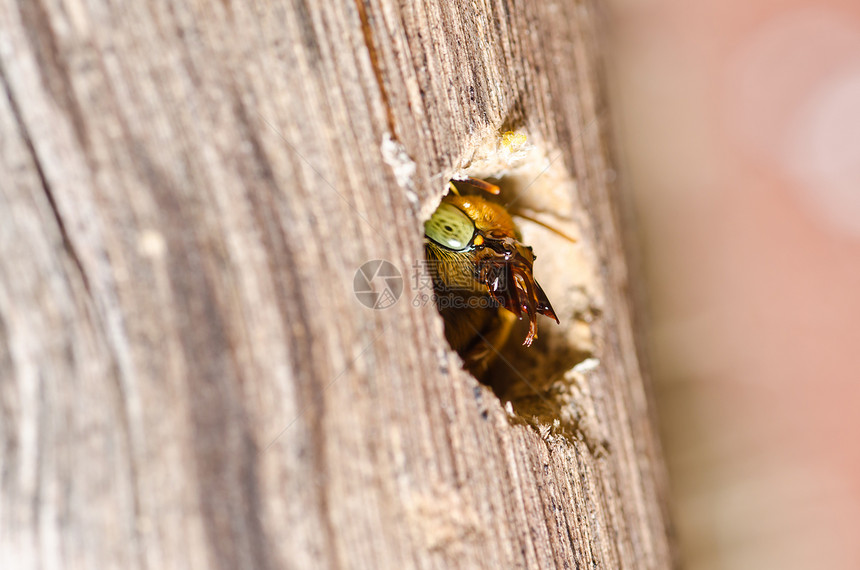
(739, 131)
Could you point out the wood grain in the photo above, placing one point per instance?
(186, 377)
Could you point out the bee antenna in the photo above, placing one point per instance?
(547, 226)
(487, 187)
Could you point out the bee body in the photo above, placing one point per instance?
(482, 277)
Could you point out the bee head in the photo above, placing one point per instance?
(474, 242)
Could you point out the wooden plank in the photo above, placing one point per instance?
(186, 377)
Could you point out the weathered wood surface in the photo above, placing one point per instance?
(186, 378)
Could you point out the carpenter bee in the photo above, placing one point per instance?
(482, 275)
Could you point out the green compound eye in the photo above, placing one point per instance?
(450, 227)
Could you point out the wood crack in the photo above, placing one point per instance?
(367, 32)
(68, 246)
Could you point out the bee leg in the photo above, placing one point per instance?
(480, 356)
